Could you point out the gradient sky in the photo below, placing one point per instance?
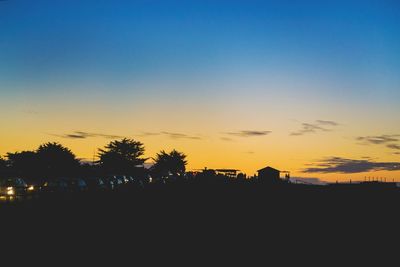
(307, 86)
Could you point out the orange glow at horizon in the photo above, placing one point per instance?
(208, 129)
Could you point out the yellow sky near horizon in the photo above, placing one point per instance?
(210, 139)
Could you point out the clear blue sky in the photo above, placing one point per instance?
(67, 41)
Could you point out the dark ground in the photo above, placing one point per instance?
(210, 226)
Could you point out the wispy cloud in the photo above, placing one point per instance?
(248, 133)
(330, 123)
(172, 135)
(379, 139)
(85, 135)
(317, 126)
(344, 165)
(147, 134)
(391, 141)
(181, 136)
(394, 146)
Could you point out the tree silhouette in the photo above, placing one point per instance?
(23, 163)
(56, 160)
(173, 163)
(3, 166)
(3, 162)
(122, 156)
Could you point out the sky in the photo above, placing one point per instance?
(312, 87)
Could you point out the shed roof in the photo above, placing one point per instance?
(268, 168)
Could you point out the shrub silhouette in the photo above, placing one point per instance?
(173, 163)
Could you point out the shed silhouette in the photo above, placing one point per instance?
(268, 175)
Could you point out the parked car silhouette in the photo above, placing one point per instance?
(135, 182)
(95, 184)
(110, 182)
(76, 185)
(126, 179)
(12, 188)
(55, 185)
(119, 180)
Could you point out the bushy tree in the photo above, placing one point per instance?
(122, 156)
(173, 163)
(23, 163)
(56, 160)
(49, 160)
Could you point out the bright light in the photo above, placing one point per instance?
(31, 188)
(10, 191)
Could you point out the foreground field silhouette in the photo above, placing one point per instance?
(183, 223)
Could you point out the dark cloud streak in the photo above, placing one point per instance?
(85, 135)
(344, 165)
(248, 133)
(172, 135)
(181, 136)
(147, 134)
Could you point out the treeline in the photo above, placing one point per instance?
(119, 157)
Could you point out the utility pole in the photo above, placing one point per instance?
(94, 155)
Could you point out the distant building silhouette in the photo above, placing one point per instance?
(231, 173)
(269, 175)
